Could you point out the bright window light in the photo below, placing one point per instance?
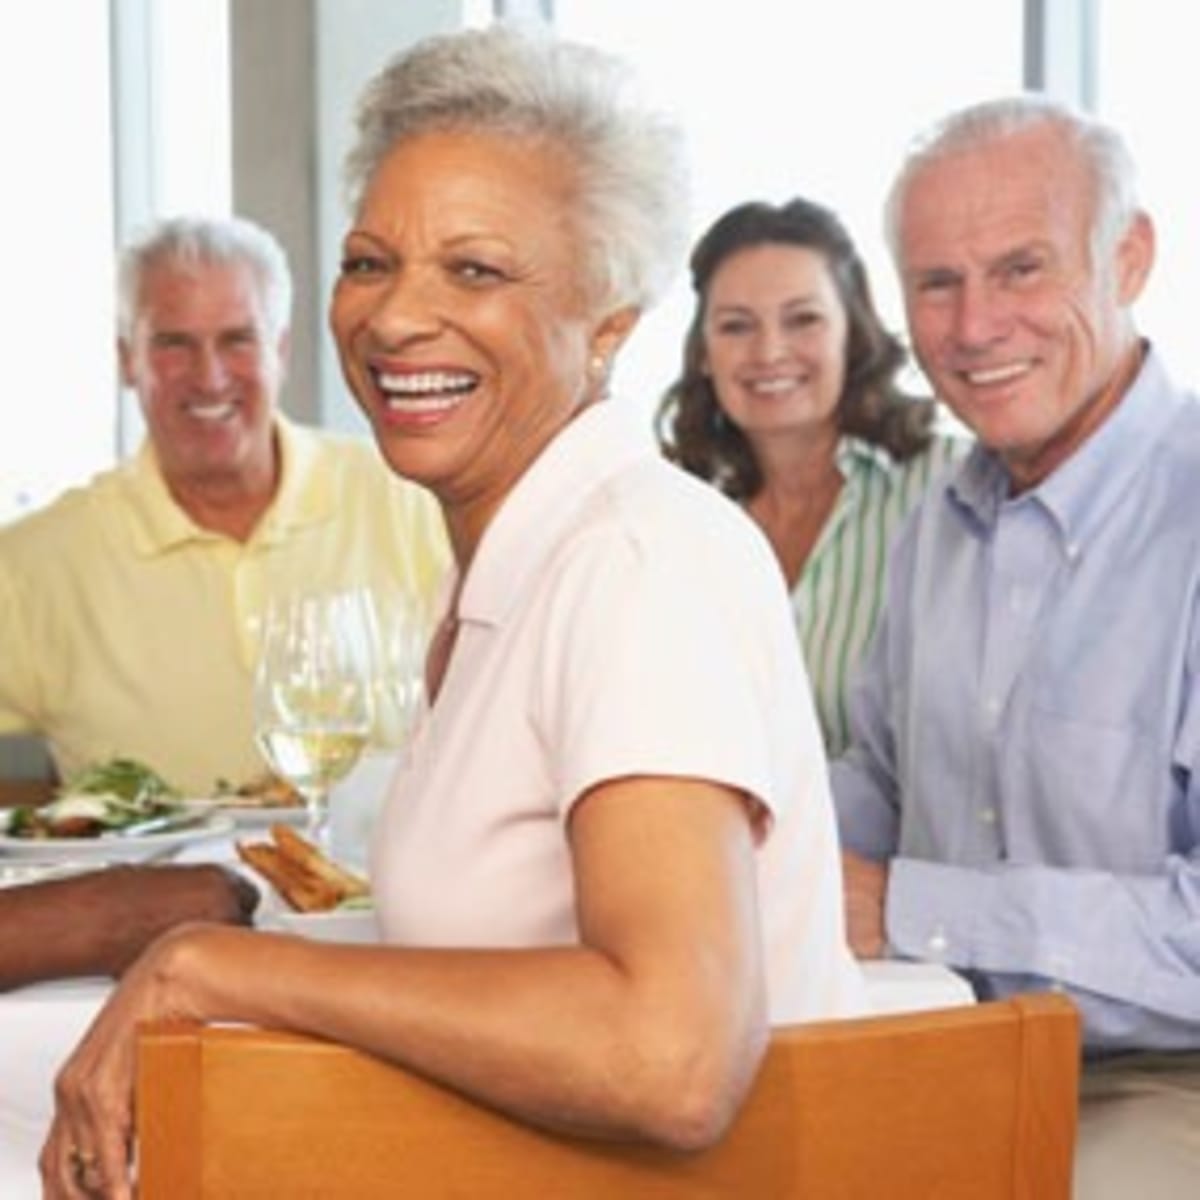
(781, 99)
(59, 403)
(1145, 58)
(192, 98)
(56, 220)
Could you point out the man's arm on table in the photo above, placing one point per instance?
(1126, 948)
(99, 922)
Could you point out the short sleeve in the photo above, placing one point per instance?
(650, 669)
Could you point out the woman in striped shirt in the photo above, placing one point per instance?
(788, 403)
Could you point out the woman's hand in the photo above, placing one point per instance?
(87, 1152)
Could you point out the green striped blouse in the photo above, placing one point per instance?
(836, 600)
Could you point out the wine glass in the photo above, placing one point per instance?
(400, 624)
(313, 705)
(400, 620)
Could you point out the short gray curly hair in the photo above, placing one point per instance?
(206, 241)
(1101, 148)
(522, 81)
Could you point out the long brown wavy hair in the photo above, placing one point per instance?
(692, 428)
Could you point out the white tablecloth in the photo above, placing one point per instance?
(894, 987)
(39, 1025)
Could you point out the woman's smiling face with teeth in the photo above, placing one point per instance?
(460, 325)
(775, 339)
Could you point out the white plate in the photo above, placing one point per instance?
(337, 925)
(14, 874)
(113, 848)
(255, 816)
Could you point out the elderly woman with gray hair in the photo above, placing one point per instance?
(610, 864)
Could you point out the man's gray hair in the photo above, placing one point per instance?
(629, 160)
(189, 242)
(1101, 148)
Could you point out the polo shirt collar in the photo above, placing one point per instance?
(307, 494)
(598, 443)
(158, 524)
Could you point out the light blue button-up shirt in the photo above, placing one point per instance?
(1027, 727)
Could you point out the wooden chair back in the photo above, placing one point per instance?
(975, 1103)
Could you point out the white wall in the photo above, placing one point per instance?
(298, 66)
(354, 38)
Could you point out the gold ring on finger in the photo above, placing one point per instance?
(83, 1162)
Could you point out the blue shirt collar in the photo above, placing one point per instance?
(1079, 493)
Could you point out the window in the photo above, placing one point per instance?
(1144, 60)
(173, 126)
(787, 98)
(779, 98)
(56, 217)
(64, 197)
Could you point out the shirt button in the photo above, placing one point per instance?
(937, 945)
(988, 816)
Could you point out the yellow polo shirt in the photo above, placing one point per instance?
(127, 629)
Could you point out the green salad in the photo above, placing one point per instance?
(109, 796)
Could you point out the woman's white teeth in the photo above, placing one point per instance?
(997, 374)
(422, 404)
(771, 386)
(427, 383)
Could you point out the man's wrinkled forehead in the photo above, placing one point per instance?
(187, 293)
(1024, 186)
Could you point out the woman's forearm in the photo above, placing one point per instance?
(564, 1037)
(651, 1026)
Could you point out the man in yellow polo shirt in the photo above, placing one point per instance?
(129, 608)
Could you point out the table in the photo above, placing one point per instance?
(39, 1025)
(894, 986)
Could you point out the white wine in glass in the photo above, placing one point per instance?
(313, 711)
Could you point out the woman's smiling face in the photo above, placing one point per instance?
(460, 323)
(775, 333)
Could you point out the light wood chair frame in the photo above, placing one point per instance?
(970, 1103)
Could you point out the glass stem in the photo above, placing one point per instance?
(316, 803)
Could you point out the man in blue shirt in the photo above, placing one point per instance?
(1022, 796)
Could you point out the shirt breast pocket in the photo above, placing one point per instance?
(1090, 792)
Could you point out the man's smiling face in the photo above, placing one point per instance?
(1022, 335)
